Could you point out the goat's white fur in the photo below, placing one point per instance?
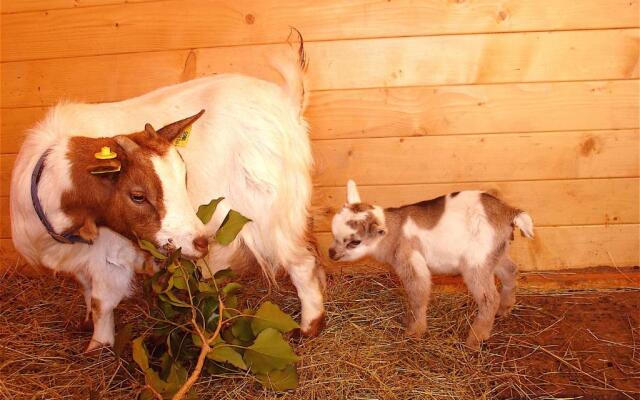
(251, 147)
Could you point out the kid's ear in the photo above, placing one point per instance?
(375, 229)
(353, 196)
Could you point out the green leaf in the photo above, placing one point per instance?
(122, 339)
(148, 246)
(280, 380)
(269, 315)
(179, 281)
(146, 394)
(153, 379)
(208, 307)
(231, 226)
(161, 282)
(241, 329)
(171, 298)
(177, 377)
(140, 355)
(231, 288)
(269, 352)
(206, 211)
(204, 287)
(224, 353)
(223, 274)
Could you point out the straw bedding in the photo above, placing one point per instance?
(580, 344)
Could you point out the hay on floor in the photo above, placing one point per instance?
(362, 353)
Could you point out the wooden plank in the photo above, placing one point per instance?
(412, 61)
(565, 202)
(468, 158)
(472, 158)
(5, 220)
(184, 24)
(557, 248)
(446, 110)
(15, 6)
(6, 166)
(14, 123)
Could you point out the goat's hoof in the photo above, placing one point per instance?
(315, 327)
(416, 332)
(473, 342)
(504, 311)
(94, 346)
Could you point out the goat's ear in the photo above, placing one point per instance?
(104, 167)
(171, 131)
(87, 231)
(128, 145)
(353, 196)
(375, 229)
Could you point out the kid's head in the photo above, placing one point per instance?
(357, 228)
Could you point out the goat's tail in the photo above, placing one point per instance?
(292, 68)
(525, 223)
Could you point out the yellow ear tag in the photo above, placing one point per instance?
(183, 138)
(106, 154)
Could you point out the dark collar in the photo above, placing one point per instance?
(66, 238)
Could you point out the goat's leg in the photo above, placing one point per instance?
(307, 277)
(109, 285)
(481, 283)
(416, 280)
(85, 284)
(506, 271)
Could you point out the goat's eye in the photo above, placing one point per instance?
(137, 197)
(353, 244)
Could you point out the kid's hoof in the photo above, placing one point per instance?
(416, 331)
(504, 311)
(473, 342)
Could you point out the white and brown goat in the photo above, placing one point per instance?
(465, 233)
(250, 147)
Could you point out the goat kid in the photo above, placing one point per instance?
(464, 233)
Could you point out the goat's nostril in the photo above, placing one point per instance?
(201, 244)
(332, 254)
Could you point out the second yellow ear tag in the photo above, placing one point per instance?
(183, 138)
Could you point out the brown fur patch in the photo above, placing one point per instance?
(426, 214)
(104, 200)
(368, 226)
(359, 207)
(500, 215)
(95, 306)
(315, 327)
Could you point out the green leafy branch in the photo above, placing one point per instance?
(199, 327)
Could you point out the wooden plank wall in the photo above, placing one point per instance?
(536, 100)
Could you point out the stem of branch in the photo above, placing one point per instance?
(204, 350)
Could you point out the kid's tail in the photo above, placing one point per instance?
(525, 223)
(292, 68)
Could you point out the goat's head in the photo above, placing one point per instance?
(138, 191)
(357, 228)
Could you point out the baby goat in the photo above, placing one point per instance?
(463, 232)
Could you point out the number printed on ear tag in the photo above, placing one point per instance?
(183, 138)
